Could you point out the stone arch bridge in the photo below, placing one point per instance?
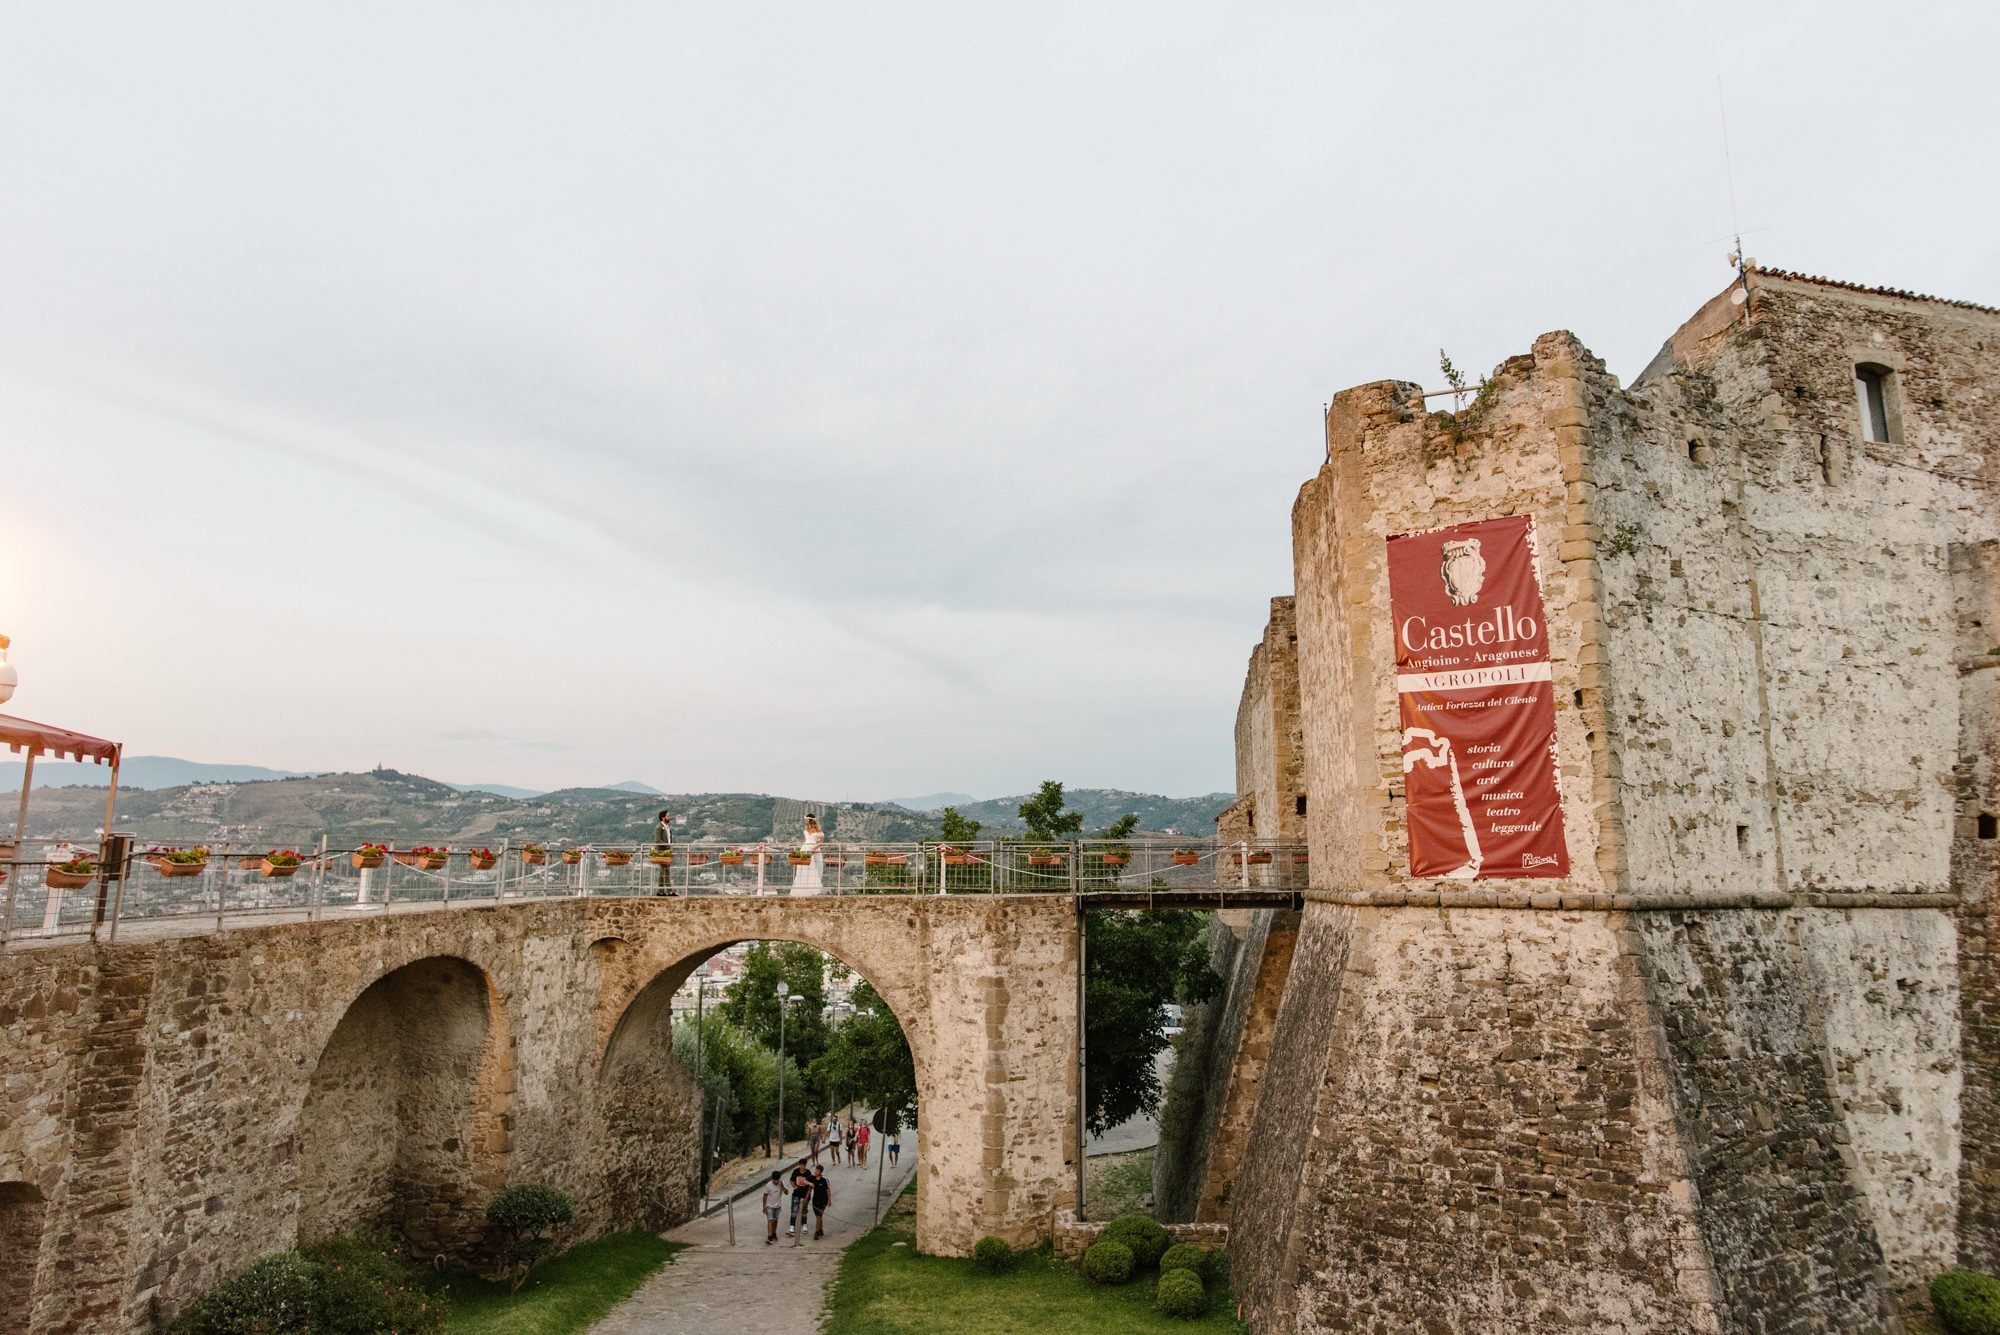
(173, 1108)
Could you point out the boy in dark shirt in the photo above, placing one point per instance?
(822, 1197)
(802, 1190)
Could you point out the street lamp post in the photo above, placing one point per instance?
(784, 996)
(700, 1090)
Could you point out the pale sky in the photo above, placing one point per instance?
(832, 400)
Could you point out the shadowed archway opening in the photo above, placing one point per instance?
(401, 1123)
(21, 1218)
(740, 1069)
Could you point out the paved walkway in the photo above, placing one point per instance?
(712, 1288)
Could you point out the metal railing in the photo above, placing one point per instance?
(236, 884)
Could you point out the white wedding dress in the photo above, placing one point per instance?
(806, 877)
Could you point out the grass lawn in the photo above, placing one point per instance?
(564, 1295)
(1118, 1184)
(886, 1289)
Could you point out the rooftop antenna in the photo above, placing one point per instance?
(1743, 266)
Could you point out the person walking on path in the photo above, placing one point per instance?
(822, 1197)
(895, 1144)
(813, 1133)
(850, 1144)
(802, 1190)
(774, 1202)
(861, 1144)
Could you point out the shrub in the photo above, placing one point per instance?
(368, 1289)
(1967, 1303)
(1180, 1294)
(353, 1284)
(529, 1211)
(992, 1255)
(1186, 1256)
(1146, 1238)
(276, 1292)
(1108, 1263)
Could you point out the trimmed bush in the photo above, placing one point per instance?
(1180, 1294)
(368, 1288)
(529, 1211)
(1186, 1256)
(348, 1285)
(1146, 1238)
(277, 1292)
(1108, 1263)
(1967, 1303)
(993, 1255)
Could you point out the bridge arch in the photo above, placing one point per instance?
(403, 1117)
(637, 1021)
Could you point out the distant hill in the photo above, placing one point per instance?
(141, 772)
(504, 790)
(930, 801)
(387, 806)
(1192, 816)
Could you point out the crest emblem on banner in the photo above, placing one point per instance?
(1463, 571)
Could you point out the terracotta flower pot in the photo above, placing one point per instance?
(616, 859)
(433, 864)
(572, 856)
(251, 864)
(365, 861)
(660, 859)
(179, 868)
(534, 859)
(406, 857)
(69, 880)
(1260, 859)
(1045, 859)
(757, 859)
(833, 859)
(482, 863)
(270, 868)
(730, 859)
(697, 859)
(1117, 859)
(799, 859)
(1300, 859)
(955, 859)
(1187, 859)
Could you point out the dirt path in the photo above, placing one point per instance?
(712, 1288)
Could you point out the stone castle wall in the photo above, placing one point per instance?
(170, 1110)
(1712, 1079)
(1270, 755)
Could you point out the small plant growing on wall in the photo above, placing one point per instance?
(1457, 425)
(530, 1212)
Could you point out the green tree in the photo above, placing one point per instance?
(956, 829)
(1121, 827)
(1136, 962)
(744, 1073)
(869, 1059)
(751, 1003)
(1043, 813)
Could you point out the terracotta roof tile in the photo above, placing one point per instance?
(1874, 291)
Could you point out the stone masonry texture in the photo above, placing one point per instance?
(171, 1110)
(1735, 1071)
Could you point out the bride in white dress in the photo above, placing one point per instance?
(806, 876)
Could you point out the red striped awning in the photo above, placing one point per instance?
(39, 739)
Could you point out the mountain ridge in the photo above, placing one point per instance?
(388, 806)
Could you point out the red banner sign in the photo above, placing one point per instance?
(1476, 689)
